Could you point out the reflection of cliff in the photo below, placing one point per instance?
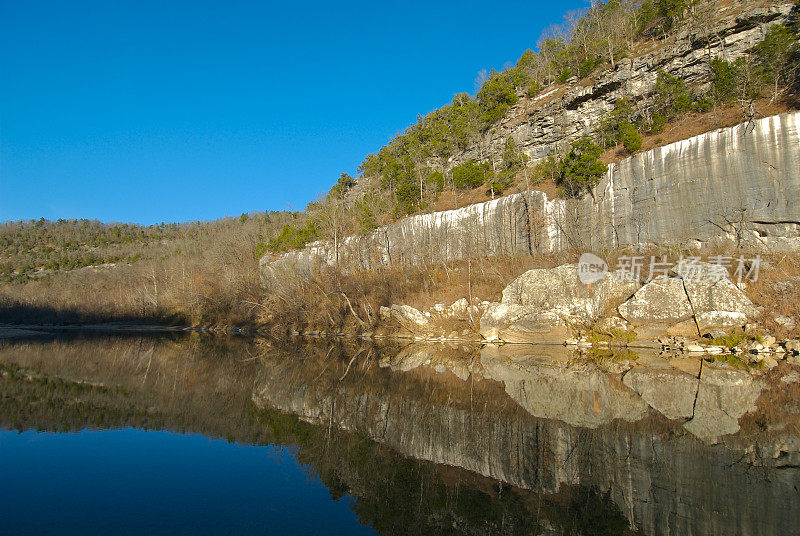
(396, 494)
(552, 428)
(541, 424)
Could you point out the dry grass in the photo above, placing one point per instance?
(777, 292)
(696, 124)
(329, 300)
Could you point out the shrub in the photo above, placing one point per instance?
(341, 187)
(406, 195)
(293, 237)
(673, 99)
(777, 57)
(365, 218)
(630, 137)
(724, 83)
(534, 89)
(581, 169)
(588, 65)
(436, 180)
(471, 174)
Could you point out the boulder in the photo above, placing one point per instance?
(460, 308)
(408, 317)
(662, 300)
(522, 323)
(612, 323)
(440, 309)
(542, 304)
(708, 296)
(701, 299)
(785, 322)
(559, 290)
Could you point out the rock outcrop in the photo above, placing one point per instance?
(741, 182)
(543, 305)
(551, 121)
(735, 184)
(696, 301)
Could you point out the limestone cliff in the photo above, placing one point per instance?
(739, 183)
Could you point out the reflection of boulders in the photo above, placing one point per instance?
(712, 404)
(440, 358)
(541, 422)
(722, 398)
(668, 391)
(581, 396)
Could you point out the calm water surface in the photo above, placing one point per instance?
(150, 482)
(192, 434)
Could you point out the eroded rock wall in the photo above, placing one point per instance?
(740, 183)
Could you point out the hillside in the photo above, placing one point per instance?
(676, 69)
(88, 271)
(620, 79)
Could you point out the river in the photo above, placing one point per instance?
(175, 433)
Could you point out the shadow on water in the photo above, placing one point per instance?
(13, 312)
(445, 440)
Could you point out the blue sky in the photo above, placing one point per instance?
(170, 111)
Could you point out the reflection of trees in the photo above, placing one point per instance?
(429, 437)
(179, 384)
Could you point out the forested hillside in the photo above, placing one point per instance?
(615, 79)
(447, 158)
(72, 270)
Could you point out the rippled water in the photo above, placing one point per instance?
(194, 434)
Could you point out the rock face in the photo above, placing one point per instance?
(551, 121)
(542, 304)
(705, 295)
(686, 191)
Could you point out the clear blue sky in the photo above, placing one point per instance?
(170, 111)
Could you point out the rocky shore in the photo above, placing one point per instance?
(693, 308)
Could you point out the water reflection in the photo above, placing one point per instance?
(449, 439)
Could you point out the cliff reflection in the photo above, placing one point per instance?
(549, 422)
